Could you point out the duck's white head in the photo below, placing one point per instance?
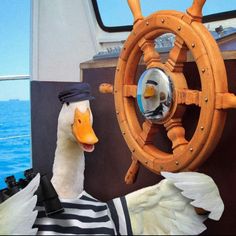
(75, 121)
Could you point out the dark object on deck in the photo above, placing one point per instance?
(29, 174)
(3, 195)
(46, 193)
(12, 185)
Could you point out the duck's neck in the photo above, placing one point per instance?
(68, 168)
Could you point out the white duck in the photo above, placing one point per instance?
(165, 208)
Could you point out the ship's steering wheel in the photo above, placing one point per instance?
(162, 92)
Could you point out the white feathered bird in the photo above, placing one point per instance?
(17, 214)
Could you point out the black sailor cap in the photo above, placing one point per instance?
(79, 92)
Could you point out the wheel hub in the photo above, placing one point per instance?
(155, 95)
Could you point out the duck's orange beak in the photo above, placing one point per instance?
(83, 131)
(149, 92)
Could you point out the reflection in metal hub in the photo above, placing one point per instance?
(155, 94)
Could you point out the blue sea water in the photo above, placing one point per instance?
(15, 144)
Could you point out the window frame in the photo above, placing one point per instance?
(113, 29)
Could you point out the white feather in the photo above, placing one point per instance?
(17, 214)
(201, 189)
(167, 209)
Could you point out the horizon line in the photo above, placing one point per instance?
(14, 99)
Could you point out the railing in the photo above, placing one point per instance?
(14, 77)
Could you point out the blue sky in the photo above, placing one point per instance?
(15, 36)
(14, 47)
(122, 15)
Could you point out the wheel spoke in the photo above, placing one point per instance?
(225, 100)
(130, 91)
(176, 133)
(151, 56)
(195, 10)
(132, 172)
(177, 56)
(147, 134)
(136, 10)
(188, 97)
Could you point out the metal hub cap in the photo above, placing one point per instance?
(155, 95)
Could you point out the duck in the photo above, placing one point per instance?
(169, 207)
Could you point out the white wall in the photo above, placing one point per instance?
(61, 39)
(64, 34)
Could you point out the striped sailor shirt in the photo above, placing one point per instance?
(86, 215)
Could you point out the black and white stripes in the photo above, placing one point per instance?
(86, 215)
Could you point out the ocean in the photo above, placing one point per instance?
(15, 144)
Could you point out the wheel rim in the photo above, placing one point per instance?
(187, 155)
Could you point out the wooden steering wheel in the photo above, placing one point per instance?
(191, 36)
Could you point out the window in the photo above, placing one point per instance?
(116, 13)
(15, 154)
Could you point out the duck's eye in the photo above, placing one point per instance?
(67, 103)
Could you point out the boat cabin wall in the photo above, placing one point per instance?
(64, 34)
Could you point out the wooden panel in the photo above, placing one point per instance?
(221, 166)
